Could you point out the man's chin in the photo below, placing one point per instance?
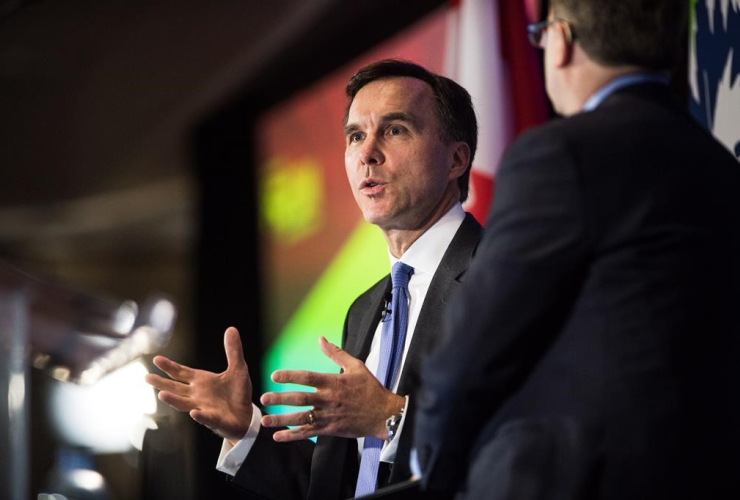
(376, 217)
(374, 220)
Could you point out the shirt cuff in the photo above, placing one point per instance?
(388, 452)
(232, 457)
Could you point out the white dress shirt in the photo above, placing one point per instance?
(424, 255)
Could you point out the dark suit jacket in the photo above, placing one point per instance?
(329, 470)
(594, 350)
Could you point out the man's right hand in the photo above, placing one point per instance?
(220, 401)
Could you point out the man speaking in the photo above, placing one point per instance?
(410, 138)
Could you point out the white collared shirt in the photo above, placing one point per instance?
(424, 255)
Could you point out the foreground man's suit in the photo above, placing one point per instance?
(594, 349)
(328, 471)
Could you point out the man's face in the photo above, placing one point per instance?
(397, 166)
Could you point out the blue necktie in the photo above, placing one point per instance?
(393, 337)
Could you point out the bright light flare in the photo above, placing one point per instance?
(104, 416)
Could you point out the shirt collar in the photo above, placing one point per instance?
(425, 254)
(619, 83)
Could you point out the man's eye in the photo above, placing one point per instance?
(355, 137)
(395, 131)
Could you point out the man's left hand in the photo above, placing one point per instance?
(351, 404)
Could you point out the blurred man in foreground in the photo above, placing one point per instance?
(410, 138)
(593, 350)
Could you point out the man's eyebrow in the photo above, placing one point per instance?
(351, 128)
(401, 117)
(388, 117)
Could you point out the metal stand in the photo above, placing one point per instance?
(14, 473)
(74, 337)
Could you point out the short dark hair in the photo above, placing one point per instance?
(452, 104)
(644, 33)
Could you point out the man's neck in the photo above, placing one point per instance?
(585, 77)
(400, 240)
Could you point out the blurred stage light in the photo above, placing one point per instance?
(125, 317)
(107, 417)
(16, 392)
(87, 479)
(73, 478)
(162, 316)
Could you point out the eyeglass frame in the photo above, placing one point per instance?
(535, 31)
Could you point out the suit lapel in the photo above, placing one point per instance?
(451, 269)
(455, 262)
(359, 345)
(447, 278)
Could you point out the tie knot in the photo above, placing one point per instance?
(401, 274)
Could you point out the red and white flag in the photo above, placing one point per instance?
(488, 53)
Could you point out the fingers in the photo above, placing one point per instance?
(291, 398)
(209, 419)
(286, 419)
(233, 348)
(202, 417)
(179, 403)
(164, 384)
(173, 369)
(296, 434)
(302, 377)
(338, 356)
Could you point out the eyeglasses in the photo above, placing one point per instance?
(536, 30)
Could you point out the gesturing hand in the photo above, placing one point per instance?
(351, 404)
(220, 401)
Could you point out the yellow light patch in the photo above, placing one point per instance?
(292, 198)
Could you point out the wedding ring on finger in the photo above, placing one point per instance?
(311, 417)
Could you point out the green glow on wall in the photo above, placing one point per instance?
(359, 264)
(291, 198)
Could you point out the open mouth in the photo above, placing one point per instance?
(371, 187)
(370, 183)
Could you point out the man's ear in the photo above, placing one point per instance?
(460, 159)
(562, 50)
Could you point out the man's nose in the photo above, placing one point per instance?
(371, 153)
